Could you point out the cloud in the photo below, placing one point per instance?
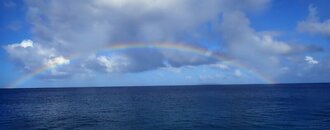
(59, 29)
(313, 25)
(257, 50)
(29, 54)
(181, 58)
(306, 69)
(154, 21)
(311, 60)
(32, 56)
(220, 66)
(238, 73)
(60, 60)
(23, 44)
(78, 45)
(238, 34)
(113, 64)
(54, 64)
(170, 68)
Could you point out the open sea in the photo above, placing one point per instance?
(287, 107)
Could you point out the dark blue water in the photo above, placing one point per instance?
(305, 106)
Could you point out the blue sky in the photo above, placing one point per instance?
(62, 44)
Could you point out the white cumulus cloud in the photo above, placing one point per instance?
(23, 44)
(60, 60)
(311, 60)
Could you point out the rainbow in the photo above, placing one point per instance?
(32, 74)
(162, 45)
(191, 49)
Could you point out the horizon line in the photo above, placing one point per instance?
(157, 86)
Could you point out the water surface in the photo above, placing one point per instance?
(300, 106)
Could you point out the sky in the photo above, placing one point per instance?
(60, 43)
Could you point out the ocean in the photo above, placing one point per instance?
(286, 106)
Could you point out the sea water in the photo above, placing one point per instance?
(290, 106)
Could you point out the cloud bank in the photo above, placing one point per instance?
(70, 34)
